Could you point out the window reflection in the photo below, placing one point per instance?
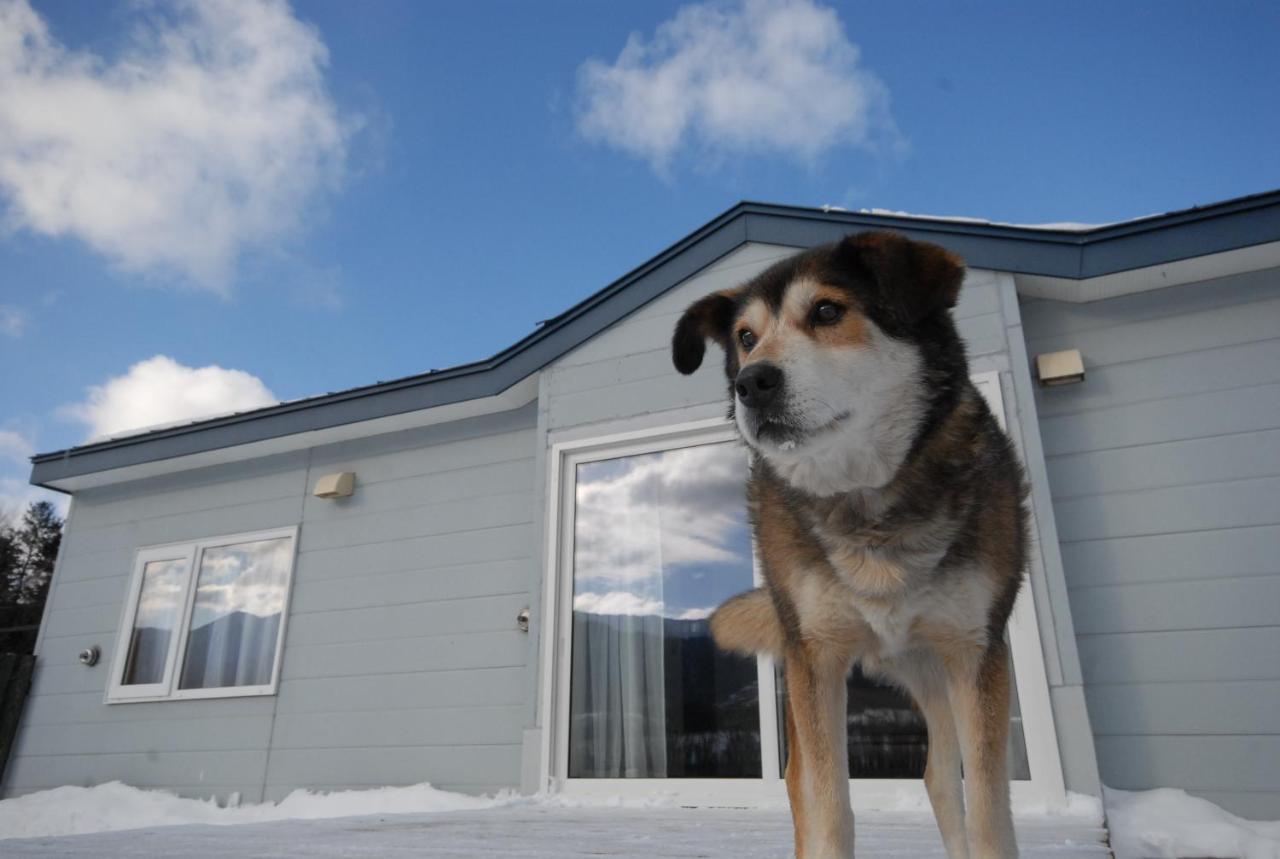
(153, 624)
(235, 621)
(660, 539)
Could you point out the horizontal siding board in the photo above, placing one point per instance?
(648, 395)
(652, 364)
(203, 489)
(485, 726)
(1203, 507)
(160, 769)
(455, 652)
(80, 622)
(1208, 413)
(251, 516)
(88, 593)
(983, 335)
(725, 273)
(375, 466)
(421, 490)
(446, 517)
(1194, 332)
(1209, 603)
(503, 543)
(1181, 657)
(1225, 457)
(483, 687)
(149, 736)
(1046, 318)
(979, 295)
(88, 707)
(1174, 557)
(407, 620)
(411, 586)
(403, 765)
(1193, 763)
(1207, 707)
(1169, 376)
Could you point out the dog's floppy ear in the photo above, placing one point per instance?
(913, 279)
(707, 318)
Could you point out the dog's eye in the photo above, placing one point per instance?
(747, 339)
(827, 313)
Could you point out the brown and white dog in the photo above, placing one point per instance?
(887, 507)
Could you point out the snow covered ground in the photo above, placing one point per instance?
(113, 821)
(540, 831)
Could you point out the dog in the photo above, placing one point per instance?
(888, 510)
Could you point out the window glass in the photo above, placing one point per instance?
(159, 601)
(659, 540)
(235, 621)
(887, 735)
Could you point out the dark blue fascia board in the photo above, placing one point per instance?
(1058, 253)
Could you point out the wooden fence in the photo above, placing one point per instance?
(15, 682)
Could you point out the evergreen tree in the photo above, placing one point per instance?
(28, 549)
(34, 548)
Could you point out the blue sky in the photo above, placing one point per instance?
(326, 194)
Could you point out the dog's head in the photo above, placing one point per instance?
(831, 348)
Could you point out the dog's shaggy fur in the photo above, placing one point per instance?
(888, 511)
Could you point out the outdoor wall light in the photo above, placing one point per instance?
(338, 485)
(89, 656)
(1060, 368)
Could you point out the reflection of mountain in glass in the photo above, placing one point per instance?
(652, 697)
(237, 649)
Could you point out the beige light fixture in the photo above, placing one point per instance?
(338, 485)
(1060, 368)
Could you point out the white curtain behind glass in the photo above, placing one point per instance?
(235, 622)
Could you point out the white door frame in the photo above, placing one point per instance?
(1045, 787)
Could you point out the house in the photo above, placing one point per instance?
(515, 591)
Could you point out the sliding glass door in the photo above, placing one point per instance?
(659, 540)
(650, 536)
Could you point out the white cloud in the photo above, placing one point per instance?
(13, 320)
(773, 76)
(616, 602)
(209, 135)
(161, 391)
(641, 516)
(629, 603)
(15, 446)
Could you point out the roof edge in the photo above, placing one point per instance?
(1072, 255)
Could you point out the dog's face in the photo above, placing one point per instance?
(825, 351)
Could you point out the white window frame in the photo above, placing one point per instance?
(1045, 787)
(192, 552)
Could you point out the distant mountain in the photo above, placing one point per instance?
(237, 649)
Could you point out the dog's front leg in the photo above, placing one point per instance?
(818, 757)
(978, 688)
(926, 680)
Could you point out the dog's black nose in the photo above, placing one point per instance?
(758, 384)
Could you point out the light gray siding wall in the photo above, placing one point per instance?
(402, 660)
(623, 380)
(1165, 471)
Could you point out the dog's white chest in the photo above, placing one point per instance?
(891, 622)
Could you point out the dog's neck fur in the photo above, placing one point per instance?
(859, 471)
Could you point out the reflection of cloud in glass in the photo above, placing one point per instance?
(661, 510)
(162, 583)
(626, 602)
(246, 577)
(661, 533)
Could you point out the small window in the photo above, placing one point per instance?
(205, 619)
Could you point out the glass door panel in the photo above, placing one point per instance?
(659, 540)
(888, 737)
